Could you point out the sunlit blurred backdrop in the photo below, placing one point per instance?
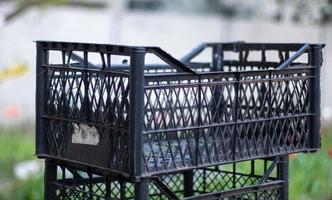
(176, 26)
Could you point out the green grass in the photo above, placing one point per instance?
(29, 189)
(16, 147)
(310, 174)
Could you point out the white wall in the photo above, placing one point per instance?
(175, 33)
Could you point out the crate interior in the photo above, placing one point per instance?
(244, 111)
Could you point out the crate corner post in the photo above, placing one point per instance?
(137, 62)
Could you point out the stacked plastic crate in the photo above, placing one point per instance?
(220, 129)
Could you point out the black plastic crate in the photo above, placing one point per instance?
(256, 179)
(249, 101)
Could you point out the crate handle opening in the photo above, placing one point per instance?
(75, 57)
(297, 54)
(193, 53)
(167, 58)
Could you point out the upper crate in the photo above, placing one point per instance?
(102, 106)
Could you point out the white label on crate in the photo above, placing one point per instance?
(85, 134)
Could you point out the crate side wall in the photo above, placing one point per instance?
(225, 117)
(85, 111)
(245, 179)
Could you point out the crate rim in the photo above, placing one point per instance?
(207, 44)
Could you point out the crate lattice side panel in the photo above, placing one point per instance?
(78, 102)
(230, 181)
(222, 118)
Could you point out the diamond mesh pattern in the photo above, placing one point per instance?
(225, 117)
(97, 99)
(228, 180)
(92, 96)
(272, 194)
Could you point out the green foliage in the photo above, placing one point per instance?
(17, 147)
(24, 2)
(30, 189)
(311, 174)
(14, 147)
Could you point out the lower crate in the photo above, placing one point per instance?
(256, 179)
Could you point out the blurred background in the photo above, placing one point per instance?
(176, 26)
